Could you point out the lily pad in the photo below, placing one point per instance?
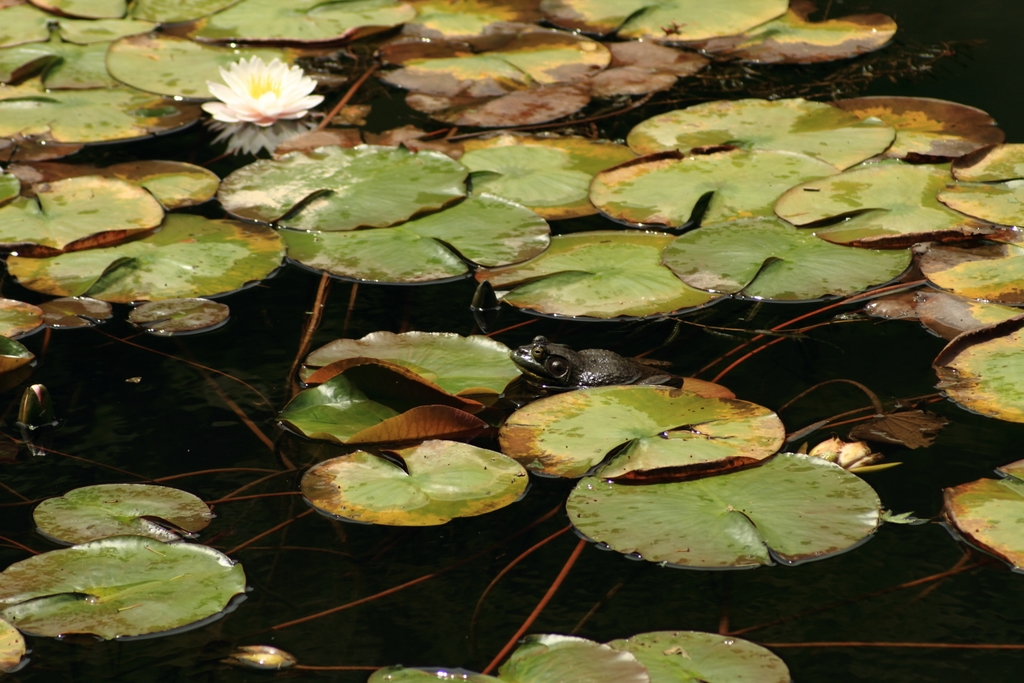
(696, 657)
(948, 315)
(77, 213)
(766, 258)
(94, 512)
(520, 108)
(793, 508)
(460, 365)
(983, 370)
(77, 311)
(132, 586)
(550, 175)
(189, 256)
(87, 9)
(665, 189)
(177, 11)
(666, 21)
(88, 31)
(13, 355)
(987, 513)
(927, 126)
(301, 21)
(549, 658)
(23, 23)
(441, 480)
(332, 188)
(793, 125)
(18, 318)
(890, 204)
(991, 272)
(604, 274)
(979, 192)
(994, 163)
(401, 674)
(12, 647)
(640, 67)
(467, 19)
(173, 317)
(661, 431)
(63, 65)
(482, 229)
(10, 187)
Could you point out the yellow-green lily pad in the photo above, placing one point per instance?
(174, 317)
(87, 9)
(62, 65)
(987, 513)
(177, 11)
(696, 657)
(88, 31)
(23, 23)
(467, 19)
(991, 272)
(13, 355)
(991, 185)
(550, 658)
(18, 318)
(12, 647)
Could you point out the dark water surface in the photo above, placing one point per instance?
(176, 421)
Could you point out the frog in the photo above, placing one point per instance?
(556, 366)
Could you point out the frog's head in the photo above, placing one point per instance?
(546, 363)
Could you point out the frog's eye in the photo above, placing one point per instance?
(558, 367)
(538, 353)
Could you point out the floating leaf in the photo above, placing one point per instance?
(764, 258)
(176, 11)
(94, 512)
(987, 513)
(85, 31)
(948, 315)
(18, 318)
(13, 355)
(521, 108)
(88, 9)
(77, 311)
(992, 272)
(12, 647)
(550, 658)
(262, 657)
(467, 19)
(173, 317)
(662, 431)
(10, 187)
(131, 586)
(983, 370)
(666, 188)
(441, 480)
(401, 674)
(793, 508)
(639, 67)
(342, 189)
(23, 23)
(63, 65)
(979, 193)
(189, 256)
(696, 657)
(909, 428)
(793, 125)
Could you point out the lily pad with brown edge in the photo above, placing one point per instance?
(482, 229)
(460, 365)
(18, 318)
(86, 9)
(552, 658)
(791, 509)
(521, 108)
(767, 258)
(655, 432)
(177, 11)
(696, 657)
(333, 189)
(89, 31)
(174, 317)
(990, 185)
(189, 256)
(302, 22)
(668, 188)
(792, 125)
(526, 59)
(890, 204)
(175, 67)
(90, 115)
(94, 512)
(665, 21)
(948, 315)
(61, 65)
(468, 19)
(119, 586)
(983, 370)
(602, 275)
(991, 272)
(641, 67)
(911, 428)
(77, 213)
(440, 481)
(12, 647)
(23, 23)
(339, 411)
(987, 513)
(926, 126)
(550, 175)
(13, 355)
(20, 148)
(75, 311)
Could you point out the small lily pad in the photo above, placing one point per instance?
(173, 317)
(75, 311)
(467, 19)
(983, 370)
(696, 657)
(23, 23)
(177, 11)
(550, 658)
(793, 508)
(519, 108)
(13, 355)
(990, 272)
(18, 318)
(63, 65)
(94, 512)
(987, 513)
(132, 586)
(441, 480)
(12, 647)
(10, 187)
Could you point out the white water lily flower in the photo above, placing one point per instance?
(261, 93)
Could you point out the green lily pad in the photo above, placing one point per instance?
(603, 274)
(766, 258)
(176, 67)
(174, 317)
(983, 370)
(459, 365)
(665, 188)
(91, 115)
(132, 585)
(88, 31)
(467, 19)
(23, 24)
(991, 164)
(441, 480)
(87, 9)
(991, 272)
(301, 21)
(530, 58)
(177, 11)
(189, 256)
(927, 126)
(10, 187)
(76, 311)
(483, 229)
(793, 508)
(888, 204)
(94, 512)
(12, 647)
(550, 175)
(77, 213)
(660, 430)
(979, 192)
(63, 65)
(520, 108)
(987, 513)
(332, 188)
(793, 125)
(696, 657)
(18, 318)
(401, 674)
(550, 658)
(667, 20)
(13, 355)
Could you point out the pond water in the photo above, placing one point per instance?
(176, 419)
